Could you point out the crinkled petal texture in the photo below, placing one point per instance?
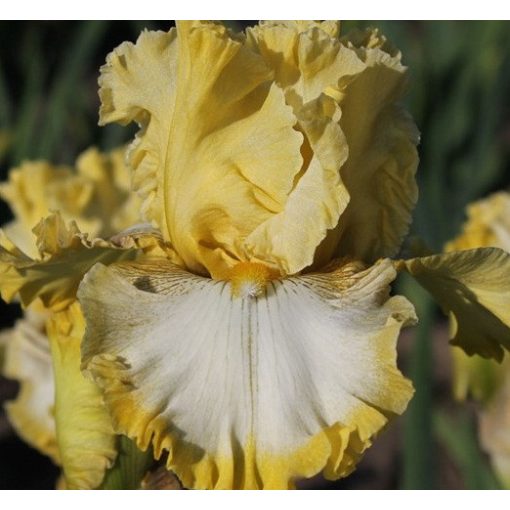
(307, 57)
(96, 196)
(247, 392)
(112, 205)
(363, 74)
(33, 191)
(471, 287)
(27, 359)
(225, 167)
(86, 439)
(65, 256)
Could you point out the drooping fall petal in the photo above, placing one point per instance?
(246, 392)
(471, 287)
(66, 255)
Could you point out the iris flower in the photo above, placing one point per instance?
(96, 197)
(488, 224)
(250, 339)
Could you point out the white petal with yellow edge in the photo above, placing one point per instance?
(247, 392)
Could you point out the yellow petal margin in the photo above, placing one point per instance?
(247, 392)
(472, 289)
(85, 436)
(66, 255)
(217, 152)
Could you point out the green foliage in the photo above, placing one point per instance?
(130, 467)
(460, 440)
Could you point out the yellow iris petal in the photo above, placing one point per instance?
(363, 74)
(75, 429)
(67, 255)
(96, 196)
(308, 58)
(289, 239)
(112, 204)
(488, 224)
(36, 188)
(217, 153)
(470, 286)
(380, 171)
(85, 435)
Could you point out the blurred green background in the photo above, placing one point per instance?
(459, 96)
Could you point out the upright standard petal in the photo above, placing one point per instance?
(363, 74)
(97, 196)
(471, 287)
(288, 240)
(86, 439)
(307, 57)
(34, 190)
(112, 202)
(249, 392)
(380, 171)
(28, 360)
(217, 152)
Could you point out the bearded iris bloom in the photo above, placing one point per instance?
(42, 351)
(250, 338)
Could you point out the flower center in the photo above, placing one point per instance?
(249, 279)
